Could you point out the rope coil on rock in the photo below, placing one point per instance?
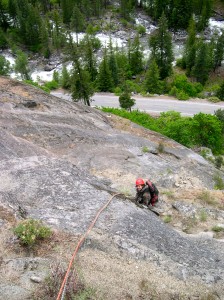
(61, 292)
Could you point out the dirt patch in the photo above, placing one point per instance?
(7, 215)
(114, 277)
(20, 92)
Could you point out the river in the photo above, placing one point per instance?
(118, 38)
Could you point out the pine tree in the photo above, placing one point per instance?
(181, 14)
(190, 47)
(160, 44)
(202, 63)
(22, 13)
(67, 9)
(3, 40)
(159, 8)
(85, 8)
(33, 28)
(96, 7)
(4, 20)
(81, 85)
(82, 89)
(204, 13)
(126, 101)
(104, 78)
(28, 22)
(113, 64)
(89, 58)
(123, 65)
(45, 5)
(136, 56)
(44, 39)
(12, 9)
(4, 66)
(77, 21)
(218, 51)
(58, 39)
(152, 82)
(65, 78)
(21, 65)
(126, 6)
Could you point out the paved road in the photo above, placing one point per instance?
(153, 104)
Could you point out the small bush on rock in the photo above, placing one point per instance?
(161, 148)
(203, 216)
(167, 219)
(217, 228)
(30, 231)
(219, 183)
(75, 288)
(214, 99)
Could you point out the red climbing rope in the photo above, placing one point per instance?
(63, 285)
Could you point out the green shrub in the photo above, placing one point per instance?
(220, 115)
(218, 162)
(214, 99)
(167, 219)
(207, 132)
(65, 78)
(201, 95)
(181, 63)
(174, 126)
(220, 92)
(203, 215)
(92, 29)
(141, 29)
(124, 22)
(44, 88)
(217, 228)
(117, 91)
(95, 42)
(161, 148)
(181, 95)
(173, 91)
(30, 231)
(201, 130)
(145, 149)
(56, 76)
(51, 85)
(5, 68)
(213, 88)
(207, 197)
(184, 88)
(132, 86)
(75, 287)
(219, 184)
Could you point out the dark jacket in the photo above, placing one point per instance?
(145, 197)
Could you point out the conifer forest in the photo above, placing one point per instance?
(48, 27)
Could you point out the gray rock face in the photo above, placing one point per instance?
(25, 270)
(62, 161)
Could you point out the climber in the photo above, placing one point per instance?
(146, 192)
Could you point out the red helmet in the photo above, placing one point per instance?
(139, 181)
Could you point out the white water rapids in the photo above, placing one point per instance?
(40, 75)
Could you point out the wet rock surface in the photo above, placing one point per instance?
(61, 161)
